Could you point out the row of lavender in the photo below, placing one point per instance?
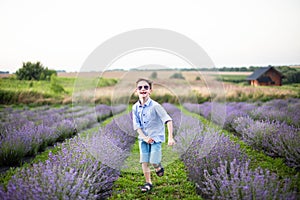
(218, 166)
(82, 169)
(273, 127)
(26, 132)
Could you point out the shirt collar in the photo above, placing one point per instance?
(147, 102)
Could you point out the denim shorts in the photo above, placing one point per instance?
(150, 153)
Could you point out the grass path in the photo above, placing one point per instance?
(173, 185)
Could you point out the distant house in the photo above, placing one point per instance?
(265, 76)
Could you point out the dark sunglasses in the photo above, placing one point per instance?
(146, 87)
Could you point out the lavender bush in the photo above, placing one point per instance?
(29, 131)
(283, 110)
(197, 162)
(233, 110)
(201, 109)
(72, 174)
(275, 138)
(215, 178)
(279, 110)
(75, 172)
(235, 180)
(272, 127)
(112, 144)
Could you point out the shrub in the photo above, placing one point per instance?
(34, 71)
(275, 138)
(272, 127)
(177, 76)
(220, 168)
(234, 180)
(75, 171)
(27, 132)
(153, 75)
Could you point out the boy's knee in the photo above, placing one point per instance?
(156, 166)
(145, 164)
(145, 167)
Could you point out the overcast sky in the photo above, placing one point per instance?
(62, 34)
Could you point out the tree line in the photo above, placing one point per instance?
(36, 71)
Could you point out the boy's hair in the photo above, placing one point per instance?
(146, 80)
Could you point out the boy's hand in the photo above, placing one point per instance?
(149, 140)
(171, 142)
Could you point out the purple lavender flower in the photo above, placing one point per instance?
(74, 173)
(275, 138)
(25, 132)
(235, 180)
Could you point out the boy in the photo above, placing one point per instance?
(149, 119)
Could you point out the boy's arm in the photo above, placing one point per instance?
(171, 140)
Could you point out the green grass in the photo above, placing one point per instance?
(15, 91)
(173, 185)
(43, 87)
(231, 78)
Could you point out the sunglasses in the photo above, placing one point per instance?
(146, 87)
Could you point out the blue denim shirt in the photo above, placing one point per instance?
(151, 118)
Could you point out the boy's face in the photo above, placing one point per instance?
(143, 89)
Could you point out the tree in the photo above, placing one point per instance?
(177, 76)
(290, 75)
(34, 71)
(153, 75)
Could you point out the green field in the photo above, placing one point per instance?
(13, 91)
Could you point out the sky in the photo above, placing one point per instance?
(61, 34)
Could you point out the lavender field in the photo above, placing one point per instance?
(87, 165)
(272, 127)
(74, 172)
(221, 169)
(26, 132)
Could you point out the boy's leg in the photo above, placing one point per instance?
(155, 158)
(157, 167)
(147, 173)
(159, 170)
(144, 159)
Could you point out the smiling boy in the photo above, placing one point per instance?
(149, 119)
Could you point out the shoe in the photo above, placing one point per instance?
(160, 172)
(147, 187)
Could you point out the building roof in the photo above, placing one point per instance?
(259, 72)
